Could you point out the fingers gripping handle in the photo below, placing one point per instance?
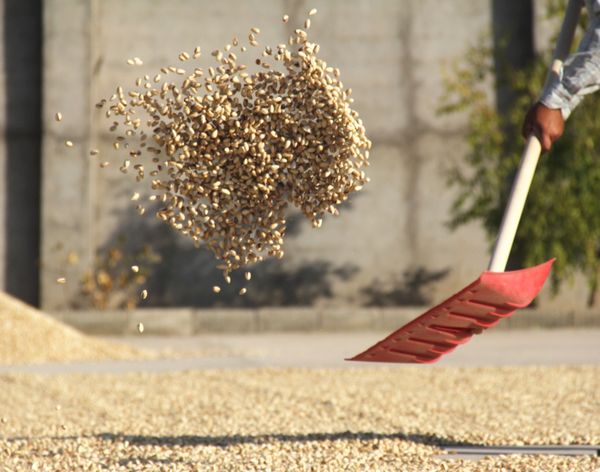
(516, 203)
(531, 154)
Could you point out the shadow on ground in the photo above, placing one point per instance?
(239, 439)
(225, 441)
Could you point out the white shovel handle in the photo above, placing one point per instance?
(532, 151)
(516, 203)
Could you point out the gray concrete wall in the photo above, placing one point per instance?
(390, 243)
(68, 180)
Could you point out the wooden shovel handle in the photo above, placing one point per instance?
(532, 151)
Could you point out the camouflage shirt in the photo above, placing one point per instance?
(581, 71)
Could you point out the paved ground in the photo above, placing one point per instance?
(323, 350)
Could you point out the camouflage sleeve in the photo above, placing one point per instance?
(581, 71)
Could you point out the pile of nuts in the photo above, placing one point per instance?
(228, 147)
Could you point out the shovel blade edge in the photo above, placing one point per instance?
(479, 306)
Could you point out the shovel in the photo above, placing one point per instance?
(495, 294)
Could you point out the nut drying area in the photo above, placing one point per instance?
(296, 419)
(237, 197)
(69, 401)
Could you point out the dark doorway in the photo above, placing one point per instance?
(22, 38)
(512, 27)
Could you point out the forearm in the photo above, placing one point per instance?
(580, 74)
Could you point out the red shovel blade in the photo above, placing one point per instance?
(481, 305)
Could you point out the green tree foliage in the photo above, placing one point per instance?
(562, 214)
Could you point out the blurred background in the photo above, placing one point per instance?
(393, 244)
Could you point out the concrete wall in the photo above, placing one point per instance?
(390, 245)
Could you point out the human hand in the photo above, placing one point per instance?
(545, 123)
